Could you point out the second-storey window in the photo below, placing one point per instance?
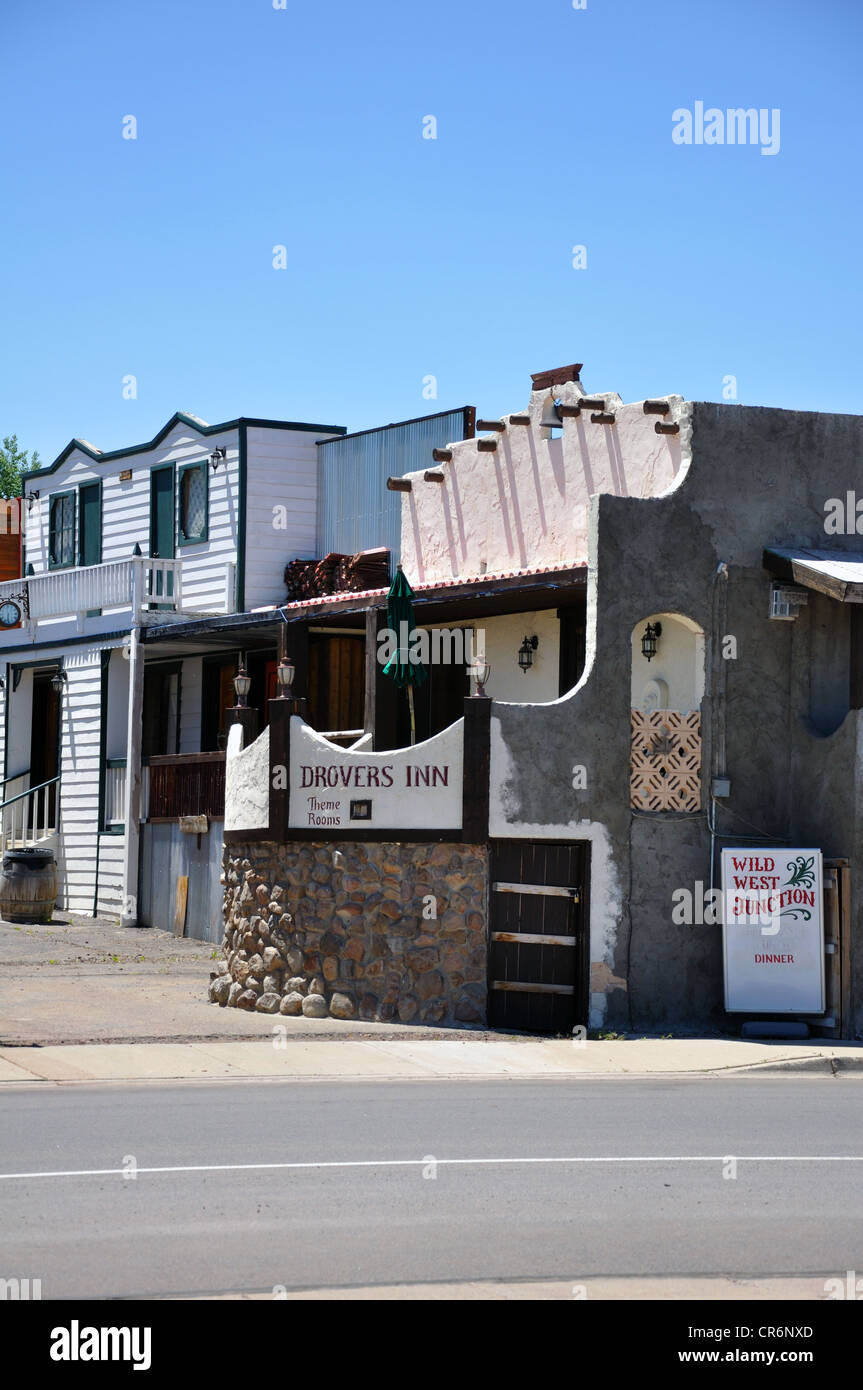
(61, 530)
(193, 504)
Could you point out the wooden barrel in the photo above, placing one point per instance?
(28, 885)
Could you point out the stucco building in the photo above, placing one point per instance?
(699, 625)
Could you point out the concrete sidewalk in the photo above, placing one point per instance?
(287, 1057)
(84, 999)
(85, 979)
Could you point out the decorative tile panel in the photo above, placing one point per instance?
(665, 761)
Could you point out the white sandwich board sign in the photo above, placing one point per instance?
(773, 930)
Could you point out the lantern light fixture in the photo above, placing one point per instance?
(217, 456)
(242, 685)
(526, 651)
(285, 676)
(31, 498)
(650, 640)
(480, 670)
(58, 681)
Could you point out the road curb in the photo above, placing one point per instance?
(811, 1066)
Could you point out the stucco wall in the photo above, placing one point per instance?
(677, 668)
(756, 478)
(526, 505)
(247, 781)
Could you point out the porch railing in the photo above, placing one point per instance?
(115, 794)
(30, 816)
(140, 584)
(114, 799)
(186, 784)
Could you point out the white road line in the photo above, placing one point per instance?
(440, 1163)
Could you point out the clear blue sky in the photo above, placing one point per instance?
(409, 257)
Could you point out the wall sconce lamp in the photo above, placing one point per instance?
(285, 676)
(480, 670)
(526, 651)
(31, 498)
(216, 457)
(242, 686)
(650, 640)
(58, 681)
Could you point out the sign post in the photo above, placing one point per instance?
(773, 930)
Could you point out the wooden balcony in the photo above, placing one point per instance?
(186, 784)
(142, 589)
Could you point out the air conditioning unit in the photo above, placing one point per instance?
(786, 600)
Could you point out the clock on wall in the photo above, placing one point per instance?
(10, 613)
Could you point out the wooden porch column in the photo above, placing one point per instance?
(371, 670)
(476, 767)
(132, 800)
(298, 650)
(380, 708)
(279, 712)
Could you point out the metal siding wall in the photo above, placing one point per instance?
(355, 509)
(166, 853)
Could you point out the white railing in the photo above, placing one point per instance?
(140, 584)
(115, 794)
(30, 816)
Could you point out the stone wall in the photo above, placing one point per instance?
(376, 931)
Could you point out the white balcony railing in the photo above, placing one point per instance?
(115, 793)
(142, 585)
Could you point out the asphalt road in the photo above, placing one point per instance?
(363, 1209)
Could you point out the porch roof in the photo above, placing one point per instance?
(837, 573)
(445, 600)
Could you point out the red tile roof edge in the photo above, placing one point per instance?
(418, 588)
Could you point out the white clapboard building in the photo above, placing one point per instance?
(189, 530)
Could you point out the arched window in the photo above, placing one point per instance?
(667, 686)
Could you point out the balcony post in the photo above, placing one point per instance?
(132, 797)
(137, 577)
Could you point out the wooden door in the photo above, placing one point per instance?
(538, 937)
(159, 718)
(336, 682)
(227, 699)
(45, 737)
(271, 686)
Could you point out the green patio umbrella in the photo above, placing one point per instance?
(400, 619)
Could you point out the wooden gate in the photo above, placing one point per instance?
(538, 940)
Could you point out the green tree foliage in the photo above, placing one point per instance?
(14, 462)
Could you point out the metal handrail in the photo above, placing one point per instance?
(28, 792)
(4, 780)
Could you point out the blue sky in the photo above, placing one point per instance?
(409, 257)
